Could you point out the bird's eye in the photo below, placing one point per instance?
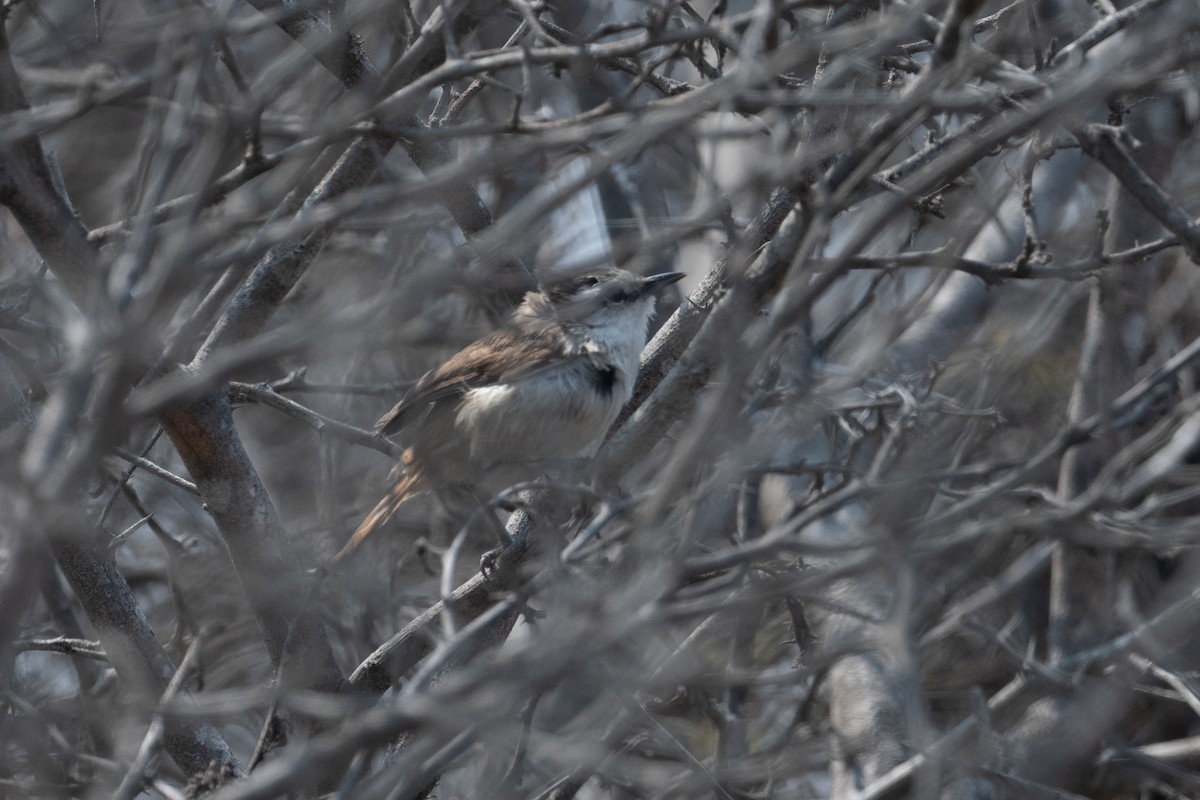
(584, 285)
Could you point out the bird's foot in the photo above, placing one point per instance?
(489, 562)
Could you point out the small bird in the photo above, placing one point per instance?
(547, 386)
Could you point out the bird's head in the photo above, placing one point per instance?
(598, 298)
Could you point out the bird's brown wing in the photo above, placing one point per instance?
(506, 355)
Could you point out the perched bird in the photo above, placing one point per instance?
(545, 387)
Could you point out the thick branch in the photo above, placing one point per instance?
(1103, 146)
(29, 190)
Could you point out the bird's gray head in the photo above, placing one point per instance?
(598, 298)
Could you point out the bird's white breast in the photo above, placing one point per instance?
(563, 411)
(553, 415)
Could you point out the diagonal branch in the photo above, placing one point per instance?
(1103, 145)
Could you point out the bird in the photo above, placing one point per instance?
(545, 387)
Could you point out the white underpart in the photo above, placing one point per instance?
(619, 334)
(558, 413)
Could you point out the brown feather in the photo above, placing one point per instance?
(500, 357)
(383, 511)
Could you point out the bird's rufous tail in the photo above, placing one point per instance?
(383, 511)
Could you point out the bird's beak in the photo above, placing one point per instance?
(652, 283)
